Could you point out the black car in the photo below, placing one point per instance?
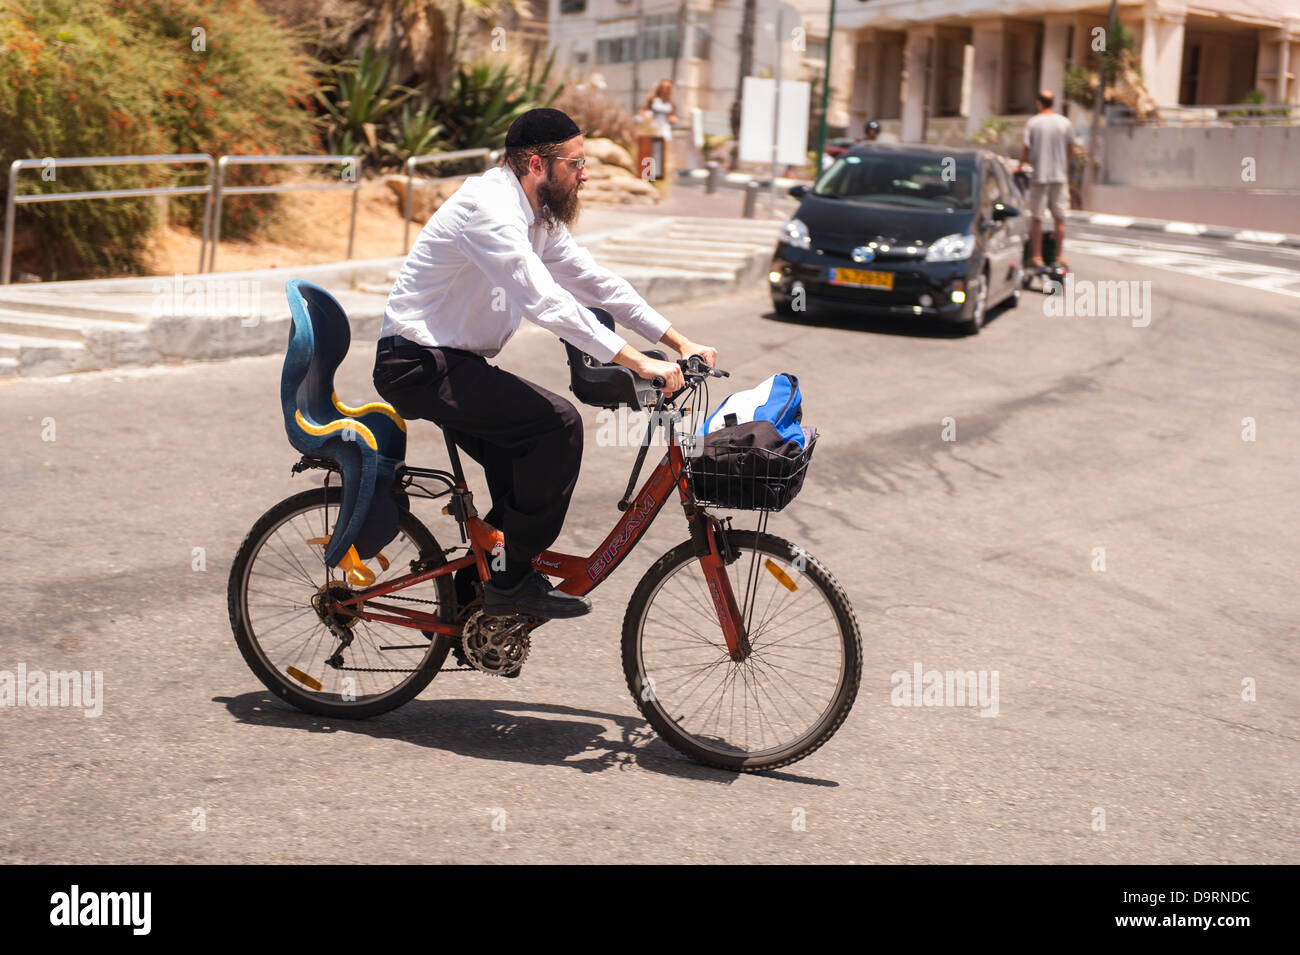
(927, 231)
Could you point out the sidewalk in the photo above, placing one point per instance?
(690, 246)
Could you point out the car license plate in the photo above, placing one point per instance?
(863, 278)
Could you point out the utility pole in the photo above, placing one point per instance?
(826, 88)
(1094, 134)
(683, 37)
(636, 58)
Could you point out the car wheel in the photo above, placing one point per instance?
(782, 307)
(979, 297)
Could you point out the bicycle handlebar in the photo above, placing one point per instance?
(695, 369)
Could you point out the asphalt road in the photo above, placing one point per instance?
(1120, 691)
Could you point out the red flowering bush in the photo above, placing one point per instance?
(127, 77)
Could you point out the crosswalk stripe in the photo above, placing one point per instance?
(1198, 262)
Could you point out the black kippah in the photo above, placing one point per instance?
(541, 127)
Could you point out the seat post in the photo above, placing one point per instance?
(454, 455)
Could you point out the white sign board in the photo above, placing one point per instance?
(756, 121)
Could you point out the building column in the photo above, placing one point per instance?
(917, 56)
(1162, 49)
(1051, 72)
(864, 101)
(987, 83)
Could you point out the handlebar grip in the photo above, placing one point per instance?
(658, 381)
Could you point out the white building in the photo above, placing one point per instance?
(600, 36)
(938, 68)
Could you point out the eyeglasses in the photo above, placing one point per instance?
(580, 161)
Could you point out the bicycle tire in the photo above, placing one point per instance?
(279, 681)
(729, 756)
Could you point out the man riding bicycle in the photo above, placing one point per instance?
(497, 251)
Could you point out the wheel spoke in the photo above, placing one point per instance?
(281, 581)
(782, 699)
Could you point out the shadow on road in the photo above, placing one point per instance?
(509, 730)
(847, 319)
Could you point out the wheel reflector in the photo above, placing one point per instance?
(303, 678)
(780, 575)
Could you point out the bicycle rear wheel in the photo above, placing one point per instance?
(275, 593)
(783, 701)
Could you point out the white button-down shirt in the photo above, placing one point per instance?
(483, 261)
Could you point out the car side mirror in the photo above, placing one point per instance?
(798, 191)
(1003, 211)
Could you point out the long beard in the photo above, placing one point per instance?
(556, 207)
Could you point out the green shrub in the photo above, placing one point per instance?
(110, 77)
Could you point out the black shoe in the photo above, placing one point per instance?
(532, 597)
(466, 586)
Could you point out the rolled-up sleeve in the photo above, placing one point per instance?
(502, 251)
(574, 266)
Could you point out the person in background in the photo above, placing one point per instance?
(1049, 148)
(875, 134)
(659, 112)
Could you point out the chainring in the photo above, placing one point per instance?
(496, 645)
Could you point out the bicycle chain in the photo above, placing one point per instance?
(418, 600)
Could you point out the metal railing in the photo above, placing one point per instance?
(489, 154)
(222, 190)
(12, 200)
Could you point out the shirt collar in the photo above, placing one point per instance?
(520, 194)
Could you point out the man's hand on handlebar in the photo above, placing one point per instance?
(707, 354)
(666, 371)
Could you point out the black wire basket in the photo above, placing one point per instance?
(746, 478)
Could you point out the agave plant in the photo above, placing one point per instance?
(359, 98)
(413, 132)
(482, 102)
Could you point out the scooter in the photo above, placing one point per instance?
(1050, 276)
(1046, 278)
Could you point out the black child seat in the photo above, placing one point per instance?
(605, 384)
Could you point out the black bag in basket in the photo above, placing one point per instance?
(750, 466)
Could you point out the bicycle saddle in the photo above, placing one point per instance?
(367, 443)
(605, 384)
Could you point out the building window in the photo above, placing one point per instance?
(1191, 73)
(617, 50)
(573, 6)
(659, 36)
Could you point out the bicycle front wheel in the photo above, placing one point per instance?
(783, 701)
(278, 595)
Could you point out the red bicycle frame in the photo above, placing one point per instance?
(578, 575)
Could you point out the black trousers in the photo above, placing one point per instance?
(528, 440)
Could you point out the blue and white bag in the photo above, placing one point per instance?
(776, 399)
(754, 453)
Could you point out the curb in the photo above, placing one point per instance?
(1276, 239)
(740, 178)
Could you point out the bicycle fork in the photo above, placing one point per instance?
(714, 553)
